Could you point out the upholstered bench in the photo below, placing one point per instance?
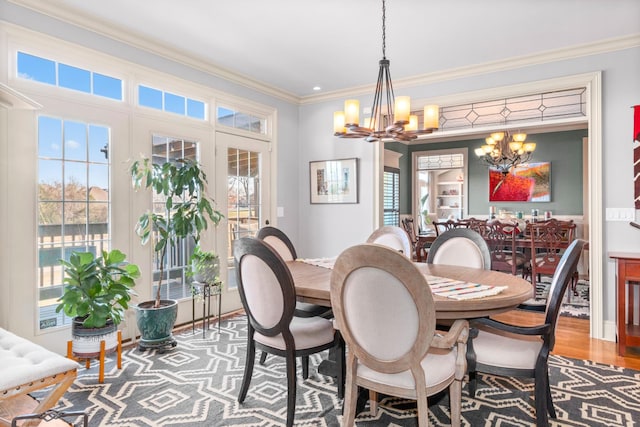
(26, 367)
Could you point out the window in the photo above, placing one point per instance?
(73, 203)
(440, 189)
(391, 196)
(170, 149)
(239, 120)
(44, 70)
(170, 102)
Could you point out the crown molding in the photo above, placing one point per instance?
(577, 51)
(138, 41)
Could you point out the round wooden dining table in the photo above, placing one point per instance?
(313, 282)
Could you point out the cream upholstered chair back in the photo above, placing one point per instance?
(265, 285)
(385, 311)
(392, 237)
(383, 306)
(460, 246)
(279, 241)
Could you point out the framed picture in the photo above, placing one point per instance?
(529, 182)
(334, 181)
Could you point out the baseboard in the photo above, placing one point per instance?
(610, 331)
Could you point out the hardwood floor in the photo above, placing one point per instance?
(572, 340)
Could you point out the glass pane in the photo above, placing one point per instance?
(35, 68)
(50, 180)
(149, 97)
(98, 182)
(75, 181)
(98, 213)
(225, 116)
(98, 144)
(49, 213)
(49, 137)
(106, 86)
(75, 141)
(175, 150)
(74, 78)
(195, 109)
(75, 213)
(174, 103)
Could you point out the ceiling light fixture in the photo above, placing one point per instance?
(346, 124)
(504, 151)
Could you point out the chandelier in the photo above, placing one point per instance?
(346, 124)
(504, 151)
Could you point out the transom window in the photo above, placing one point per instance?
(239, 120)
(170, 102)
(43, 70)
(73, 203)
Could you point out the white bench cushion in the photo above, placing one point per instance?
(22, 361)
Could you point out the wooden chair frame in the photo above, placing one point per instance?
(543, 400)
(393, 263)
(466, 233)
(250, 246)
(397, 232)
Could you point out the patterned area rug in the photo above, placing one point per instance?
(573, 305)
(197, 384)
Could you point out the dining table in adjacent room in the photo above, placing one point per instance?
(313, 284)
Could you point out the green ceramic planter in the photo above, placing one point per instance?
(156, 324)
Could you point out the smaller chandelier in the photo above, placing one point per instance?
(504, 151)
(391, 116)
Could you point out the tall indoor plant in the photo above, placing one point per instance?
(187, 212)
(97, 291)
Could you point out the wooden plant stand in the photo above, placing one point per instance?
(100, 356)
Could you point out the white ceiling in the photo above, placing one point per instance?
(294, 45)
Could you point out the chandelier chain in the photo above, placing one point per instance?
(384, 30)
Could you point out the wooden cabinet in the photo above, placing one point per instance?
(628, 296)
(450, 199)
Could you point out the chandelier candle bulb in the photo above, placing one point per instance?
(413, 123)
(352, 112)
(402, 109)
(431, 117)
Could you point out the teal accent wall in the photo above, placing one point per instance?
(562, 149)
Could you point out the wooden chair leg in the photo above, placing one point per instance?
(248, 368)
(373, 402)
(291, 386)
(102, 353)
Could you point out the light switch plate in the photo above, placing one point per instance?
(620, 214)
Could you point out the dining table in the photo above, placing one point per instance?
(313, 282)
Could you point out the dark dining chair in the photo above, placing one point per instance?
(523, 351)
(385, 312)
(548, 241)
(268, 297)
(279, 241)
(409, 228)
(460, 246)
(501, 239)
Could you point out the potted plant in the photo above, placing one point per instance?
(187, 212)
(97, 291)
(205, 266)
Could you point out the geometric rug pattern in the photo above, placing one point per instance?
(573, 304)
(197, 384)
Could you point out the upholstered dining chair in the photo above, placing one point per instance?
(501, 239)
(460, 246)
(523, 351)
(409, 228)
(268, 297)
(279, 241)
(392, 237)
(385, 312)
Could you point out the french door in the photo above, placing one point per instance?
(243, 176)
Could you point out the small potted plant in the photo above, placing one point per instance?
(205, 266)
(97, 291)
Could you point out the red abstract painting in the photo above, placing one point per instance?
(525, 183)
